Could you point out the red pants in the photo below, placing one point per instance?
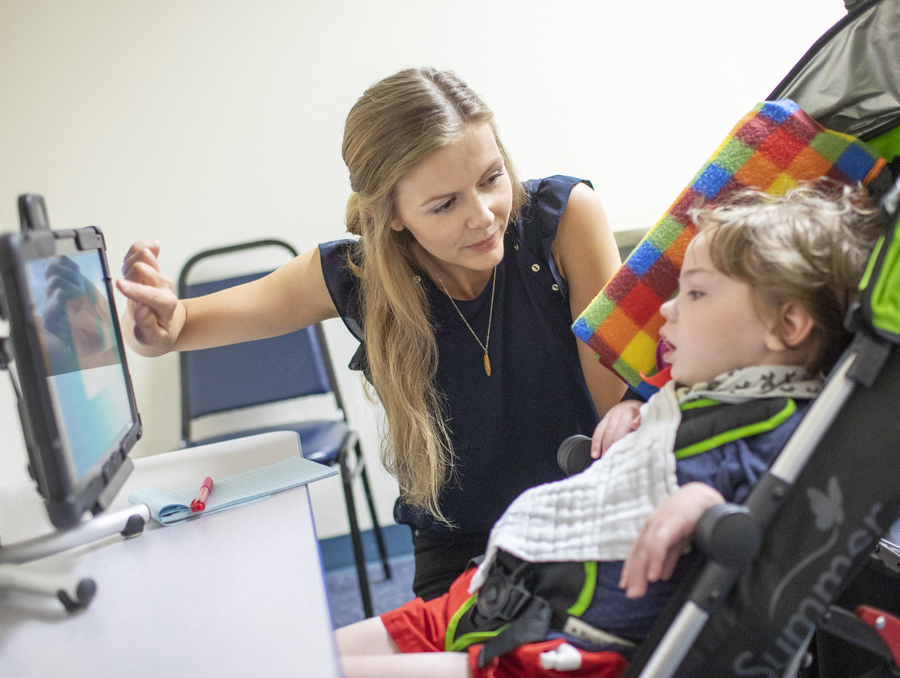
(421, 626)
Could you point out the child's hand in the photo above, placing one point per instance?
(618, 422)
(665, 537)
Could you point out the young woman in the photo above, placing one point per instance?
(461, 288)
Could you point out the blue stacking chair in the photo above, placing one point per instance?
(291, 366)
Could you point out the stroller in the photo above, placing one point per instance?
(790, 576)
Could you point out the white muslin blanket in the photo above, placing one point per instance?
(596, 514)
(599, 513)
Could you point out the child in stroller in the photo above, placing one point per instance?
(764, 288)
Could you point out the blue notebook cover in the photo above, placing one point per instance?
(168, 508)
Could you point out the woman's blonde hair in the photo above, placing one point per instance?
(396, 124)
(810, 245)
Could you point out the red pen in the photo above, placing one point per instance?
(200, 502)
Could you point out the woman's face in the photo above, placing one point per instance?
(456, 203)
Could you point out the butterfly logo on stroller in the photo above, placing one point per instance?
(829, 513)
(827, 509)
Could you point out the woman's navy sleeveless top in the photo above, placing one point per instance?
(506, 428)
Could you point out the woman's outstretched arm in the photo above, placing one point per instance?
(155, 321)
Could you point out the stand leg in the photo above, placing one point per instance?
(73, 592)
(127, 522)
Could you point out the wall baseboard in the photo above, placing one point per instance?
(337, 552)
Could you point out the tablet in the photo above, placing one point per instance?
(76, 401)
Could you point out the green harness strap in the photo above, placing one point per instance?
(705, 424)
(452, 643)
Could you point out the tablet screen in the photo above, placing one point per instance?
(85, 375)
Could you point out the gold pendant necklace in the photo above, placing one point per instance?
(487, 340)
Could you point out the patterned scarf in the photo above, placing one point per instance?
(750, 383)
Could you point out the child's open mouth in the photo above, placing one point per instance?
(663, 352)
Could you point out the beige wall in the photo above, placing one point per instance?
(204, 123)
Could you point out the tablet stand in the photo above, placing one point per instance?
(73, 592)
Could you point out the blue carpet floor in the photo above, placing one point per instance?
(343, 589)
(340, 574)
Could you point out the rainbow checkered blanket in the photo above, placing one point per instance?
(774, 147)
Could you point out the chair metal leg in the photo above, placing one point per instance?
(376, 526)
(356, 538)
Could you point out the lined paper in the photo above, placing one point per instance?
(168, 508)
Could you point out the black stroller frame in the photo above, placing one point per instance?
(753, 621)
(778, 566)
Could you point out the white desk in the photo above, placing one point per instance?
(237, 593)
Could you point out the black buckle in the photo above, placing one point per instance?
(501, 597)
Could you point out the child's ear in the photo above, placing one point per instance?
(794, 326)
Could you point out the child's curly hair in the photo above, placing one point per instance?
(810, 245)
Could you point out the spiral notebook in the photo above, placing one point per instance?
(174, 506)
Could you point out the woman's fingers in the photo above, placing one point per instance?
(143, 282)
(144, 274)
(160, 300)
(143, 250)
(154, 316)
(142, 257)
(152, 309)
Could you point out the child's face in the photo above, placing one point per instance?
(712, 325)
